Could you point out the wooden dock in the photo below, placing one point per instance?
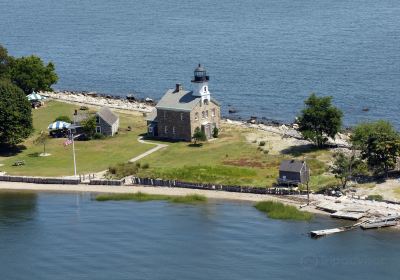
(373, 225)
(324, 232)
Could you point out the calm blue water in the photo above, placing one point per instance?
(69, 236)
(264, 56)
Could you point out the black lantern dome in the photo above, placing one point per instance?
(200, 75)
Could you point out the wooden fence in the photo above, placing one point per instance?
(241, 189)
(107, 182)
(39, 180)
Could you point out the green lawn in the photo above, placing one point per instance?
(228, 160)
(91, 156)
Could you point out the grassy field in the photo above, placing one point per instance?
(141, 197)
(91, 156)
(277, 210)
(230, 160)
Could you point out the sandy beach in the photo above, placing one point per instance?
(15, 186)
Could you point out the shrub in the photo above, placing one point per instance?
(63, 119)
(98, 136)
(146, 166)
(215, 132)
(262, 143)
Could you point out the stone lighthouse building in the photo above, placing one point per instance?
(180, 112)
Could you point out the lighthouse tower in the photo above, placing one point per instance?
(200, 84)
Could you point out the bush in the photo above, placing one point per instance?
(262, 143)
(84, 108)
(98, 136)
(146, 166)
(63, 119)
(215, 132)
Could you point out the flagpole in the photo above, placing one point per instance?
(73, 152)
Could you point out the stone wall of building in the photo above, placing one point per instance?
(174, 124)
(205, 113)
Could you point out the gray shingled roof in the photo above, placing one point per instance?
(107, 115)
(291, 165)
(181, 101)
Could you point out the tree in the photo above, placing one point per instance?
(319, 120)
(15, 115)
(198, 135)
(42, 139)
(347, 166)
(89, 126)
(30, 74)
(4, 63)
(362, 132)
(379, 144)
(381, 152)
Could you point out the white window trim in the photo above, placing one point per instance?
(166, 129)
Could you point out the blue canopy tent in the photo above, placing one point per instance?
(59, 125)
(35, 97)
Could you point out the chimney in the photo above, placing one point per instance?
(178, 87)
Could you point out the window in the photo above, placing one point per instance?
(205, 101)
(203, 115)
(97, 119)
(205, 89)
(181, 116)
(196, 116)
(173, 130)
(150, 129)
(98, 129)
(213, 112)
(166, 129)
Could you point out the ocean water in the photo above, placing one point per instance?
(70, 236)
(264, 56)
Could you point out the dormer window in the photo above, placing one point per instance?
(205, 101)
